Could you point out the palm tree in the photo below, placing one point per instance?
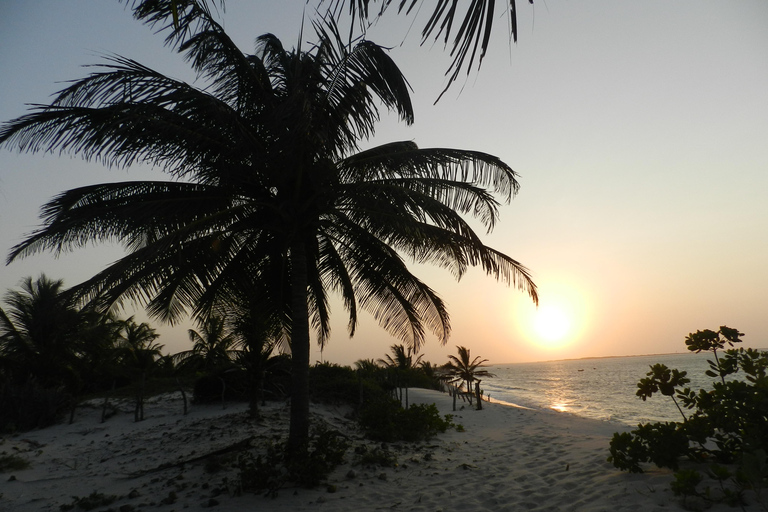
(39, 334)
(269, 195)
(402, 364)
(139, 355)
(465, 370)
(214, 346)
(474, 31)
(401, 358)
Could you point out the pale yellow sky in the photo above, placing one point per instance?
(638, 128)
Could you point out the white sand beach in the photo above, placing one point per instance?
(506, 459)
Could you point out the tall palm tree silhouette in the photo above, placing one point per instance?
(270, 198)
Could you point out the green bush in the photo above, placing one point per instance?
(726, 424)
(332, 383)
(386, 420)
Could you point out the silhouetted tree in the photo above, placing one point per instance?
(465, 370)
(214, 346)
(39, 334)
(270, 194)
(139, 354)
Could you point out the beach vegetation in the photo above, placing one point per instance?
(466, 371)
(403, 369)
(726, 430)
(376, 456)
(386, 420)
(268, 191)
(279, 467)
(139, 355)
(12, 463)
(214, 347)
(90, 502)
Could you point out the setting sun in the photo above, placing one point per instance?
(551, 323)
(558, 321)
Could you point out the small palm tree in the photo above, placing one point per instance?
(259, 334)
(139, 355)
(367, 366)
(39, 334)
(401, 358)
(402, 364)
(214, 346)
(464, 370)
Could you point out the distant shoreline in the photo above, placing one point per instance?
(608, 357)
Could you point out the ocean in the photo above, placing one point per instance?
(598, 388)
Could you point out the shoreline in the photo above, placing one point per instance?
(506, 458)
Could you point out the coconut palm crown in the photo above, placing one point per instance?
(270, 195)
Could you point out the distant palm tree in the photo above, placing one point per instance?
(402, 364)
(215, 346)
(401, 358)
(465, 370)
(367, 366)
(270, 194)
(39, 334)
(139, 354)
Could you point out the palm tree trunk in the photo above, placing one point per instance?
(183, 394)
(298, 433)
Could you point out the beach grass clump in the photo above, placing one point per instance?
(376, 456)
(10, 462)
(724, 433)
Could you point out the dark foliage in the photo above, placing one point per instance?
(278, 467)
(385, 420)
(229, 385)
(30, 406)
(728, 423)
(332, 383)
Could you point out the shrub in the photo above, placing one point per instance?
(378, 456)
(12, 463)
(29, 406)
(272, 471)
(332, 383)
(727, 423)
(94, 500)
(386, 420)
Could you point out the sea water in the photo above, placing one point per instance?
(599, 388)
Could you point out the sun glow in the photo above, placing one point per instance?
(551, 323)
(557, 322)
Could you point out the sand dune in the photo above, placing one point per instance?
(507, 459)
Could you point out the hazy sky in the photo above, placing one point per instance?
(639, 129)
